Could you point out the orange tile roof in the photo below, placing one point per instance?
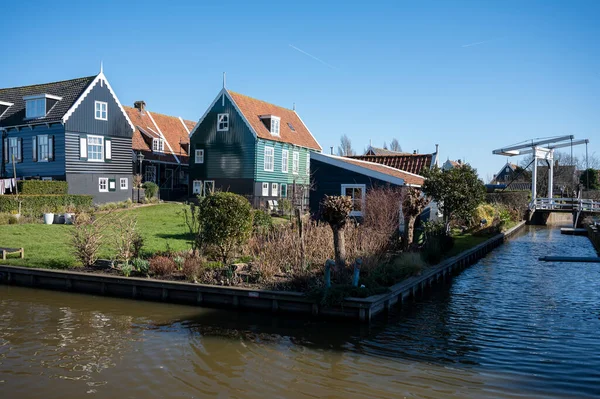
(252, 109)
(412, 163)
(409, 178)
(170, 126)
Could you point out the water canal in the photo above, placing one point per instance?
(509, 326)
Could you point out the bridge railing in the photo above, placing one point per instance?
(565, 205)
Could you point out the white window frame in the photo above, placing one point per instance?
(274, 190)
(211, 187)
(225, 123)
(295, 162)
(364, 192)
(152, 170)
(13, 149)
(40, 146)
(282, 191)
(158, 145)
(103, 181)
(199, 155)
(123, 186)
(197, 187)
(101, 110)
(47, 178)
(30, 108)
(308, 163)
(265, 189)
(269, 155)
(275, 125)
(90, 159)
(285, 160)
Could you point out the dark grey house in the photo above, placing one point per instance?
(74, 130)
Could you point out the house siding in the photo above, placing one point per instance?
(119, 164)
(277, 176)
(228, 156)
(327, 179)
(88, 184)
(29, 168)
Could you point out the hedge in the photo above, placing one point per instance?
(35, 205)
(41, 187)
(515, 200)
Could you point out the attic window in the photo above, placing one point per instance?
(38, 105)
(158, 145)
(222, 122)
(275, 121)
(291, 127)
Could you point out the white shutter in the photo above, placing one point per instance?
(83, 147)
(108, 149)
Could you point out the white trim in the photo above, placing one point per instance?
(265, 186)
(96, 103)
(200, 183)
(121, 180)
(212, 190)
(184, 125)
(87, 91)
(364, 196)
(340, 162)
(44, 95)
(287, 160)
(199, 155)
(6, 103)
(296, 157)
(219, 116)
(274, 190)
(100, 179)
(272, 169)
(163, 137)
(87, 148)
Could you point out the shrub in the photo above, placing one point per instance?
(33, 205)
(406, 265)
(87, 236)
(151, 189)
(262, 222)
(42, 187)
(126, 269)
(162, 266)
(516, 201)
(483, 212)
(225, 221)
(141, 265)
(125, 237)
(192, 266)
(382, 211)
(13, 220)
(179, 261)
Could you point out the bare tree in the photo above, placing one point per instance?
(385, 147)
(345, 147)
(395, 146)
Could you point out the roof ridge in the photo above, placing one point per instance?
(159, 113)
(374, 163)
(49, 83)
(257, 99)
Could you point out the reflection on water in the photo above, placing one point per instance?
(509, 326)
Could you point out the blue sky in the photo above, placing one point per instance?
(468, 75)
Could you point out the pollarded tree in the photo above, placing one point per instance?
(225, 221)
(335, 211)
(457, 191)
(412, 206)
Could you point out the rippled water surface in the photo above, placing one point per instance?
(509, 326)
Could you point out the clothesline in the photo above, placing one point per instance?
(7, 185)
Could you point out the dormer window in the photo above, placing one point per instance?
(4, 106)
(38, 106)
(222, 122)
(275, 125)
(158, 145)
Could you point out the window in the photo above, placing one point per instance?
(265, 189)
(158, 145)
(103, 184)
(285, 155)
(283, 190)
(308, 163)
(112, 185)
(123, 183)
(197, 187)
(46, 178)
(150, 174)
(222, 122)
(275, 125)
(101, 110)
(199, 156)
(274, 189)
(43, 155)
(296, 163)
(291, 127)
(95, 148)
(269, 158)
(35, 108)
(209, 187)
(357, 193)
(14, 149)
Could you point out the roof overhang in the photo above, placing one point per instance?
(44, 95)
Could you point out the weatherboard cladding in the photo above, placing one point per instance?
(119, 164)
(277, 176)
(69, 90)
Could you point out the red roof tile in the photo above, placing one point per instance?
(412, 163)
(252, 109)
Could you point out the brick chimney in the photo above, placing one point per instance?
(140, 105)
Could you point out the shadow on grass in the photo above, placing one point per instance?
(176, 236)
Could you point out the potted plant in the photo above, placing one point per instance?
(58, 215)
(70, 210)
(48, 214)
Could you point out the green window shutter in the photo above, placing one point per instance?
(51, 148)
(112, 185)
(34, 148)
(83, 147)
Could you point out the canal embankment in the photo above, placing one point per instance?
(594, 235)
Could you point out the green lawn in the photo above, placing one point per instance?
(48, 245)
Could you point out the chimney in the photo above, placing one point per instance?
(437, 155)
(331, 148)
(140, 105)
(414, 152)
(459, 162)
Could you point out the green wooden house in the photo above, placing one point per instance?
(253, 148)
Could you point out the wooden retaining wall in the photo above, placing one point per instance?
(363, 309)
(594, 235)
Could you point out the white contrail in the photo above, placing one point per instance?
(313, 57)
(476, 43)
